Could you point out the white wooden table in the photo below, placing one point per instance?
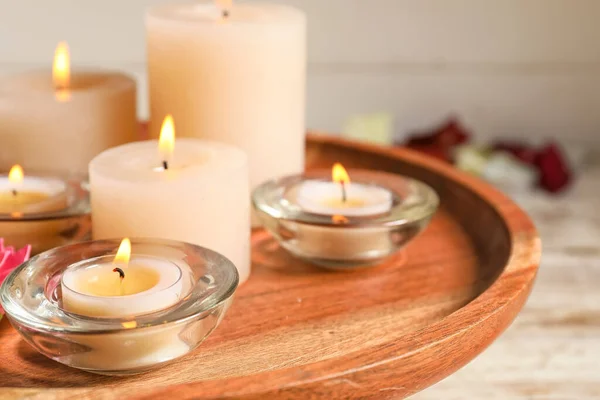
(552, 350)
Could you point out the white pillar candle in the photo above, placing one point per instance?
(238, 79)
(202, 198)
(60, 124)
(339, 199)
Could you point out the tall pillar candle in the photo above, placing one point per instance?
(235, 74)
(201, 198)
(59, 122)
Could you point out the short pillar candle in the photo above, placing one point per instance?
(196, 192)
(57, 122)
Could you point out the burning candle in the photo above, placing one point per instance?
(26, 206)
(124, 287)
(190, 190)
(341, 197)
(20, 195)
(235, 73)
(60, 121)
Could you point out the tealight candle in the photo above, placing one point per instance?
(119, 312)
(234, 72)
(127, 287)
(340, 224)
(32, 195)
(27, 204)
(122, 288)
(190, 190)
(341, 199)
(58, 122)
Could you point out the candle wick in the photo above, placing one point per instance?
(14, 192)
(343, 192)
(165, 165)
(225, 13)
(121, 273)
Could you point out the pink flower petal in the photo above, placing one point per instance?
(10, 259)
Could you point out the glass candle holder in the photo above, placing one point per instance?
(75, 329)
(60, 219)
(401, 208)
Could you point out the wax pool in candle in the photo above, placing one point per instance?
(238, 79)
(341, 197)
(148, 285)
(326, 198)
(60, 124)
(201, 198)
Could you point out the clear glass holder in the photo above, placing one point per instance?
(345, 241)
(45, 230)
(32, 299)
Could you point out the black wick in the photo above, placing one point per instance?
(343, 191)
(121, 273)
(225, 13)
(165, 165)
(14, 192)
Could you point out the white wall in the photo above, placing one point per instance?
(514, 67)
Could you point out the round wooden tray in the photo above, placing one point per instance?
(297, 332)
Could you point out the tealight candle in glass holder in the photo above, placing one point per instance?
(44, 211)
(119, 313)
(330, 220)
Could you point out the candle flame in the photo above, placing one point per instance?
(339, 219)
(16, 174)
(166, 141)
(61, 68)
(124, 252)
(339, 174)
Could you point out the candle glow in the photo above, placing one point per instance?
(166, 141)
(124, 253)
(16, 175)
(339, 175)
(61, 71)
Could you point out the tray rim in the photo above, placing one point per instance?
(508, 293)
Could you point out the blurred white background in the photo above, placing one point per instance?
(510, 67)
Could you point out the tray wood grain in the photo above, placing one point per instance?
(299, 332)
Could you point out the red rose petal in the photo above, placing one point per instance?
(555, 174)
(439, 141)
(447, 135)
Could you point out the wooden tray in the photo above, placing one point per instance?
(298, 332)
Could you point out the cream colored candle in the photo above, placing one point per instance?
(339, 199)
(23, 196)
(59, 121)
(200, 198)
(147, 284)
(123, 288)
(20, 195)
(239, 78)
